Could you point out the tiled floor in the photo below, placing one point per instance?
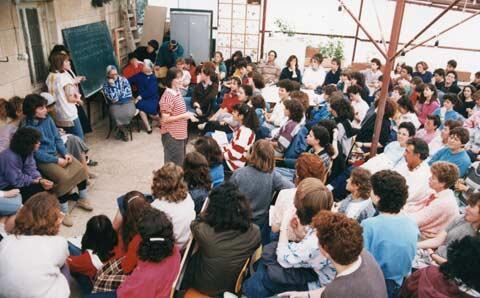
(122, 167)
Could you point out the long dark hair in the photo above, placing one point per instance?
(323, 136)
(343, 109)
(227, 209)
(100, 237)
(250, 119)
(134, 203)
(24, 140)
(432, 87)
(290, 59)
(406, 103)
(196, 171)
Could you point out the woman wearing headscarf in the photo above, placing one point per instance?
(119, 94)
(147, 100)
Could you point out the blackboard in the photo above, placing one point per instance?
(91, 52)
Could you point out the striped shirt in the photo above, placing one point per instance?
(172, 103)
(235, 153)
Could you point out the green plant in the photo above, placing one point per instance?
(333, 48)
(284, 27)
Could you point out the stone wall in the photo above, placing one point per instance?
(55, 15)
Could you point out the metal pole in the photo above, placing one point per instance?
(426, 28)
(394, 37)
(264, 19)
(356, 32)
(363, 29)
(444, 31)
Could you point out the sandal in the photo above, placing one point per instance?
(92, 163)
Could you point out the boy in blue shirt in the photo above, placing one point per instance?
(390, 237)
(455, 151)
(447, 112)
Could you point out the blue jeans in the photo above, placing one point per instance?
(286, 172)
(260, 284)
(10, 206)
(393, 289)
(102, 295)
(76, 129)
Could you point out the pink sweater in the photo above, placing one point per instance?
(425, 109)
(433, 216)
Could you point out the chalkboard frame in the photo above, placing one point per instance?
(68, 34)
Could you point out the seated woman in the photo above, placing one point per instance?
(434, 250)
(358, 205)
(314, 76)
(406, 112)
(148, 98)
(226, 238)
(75, 145)
(205, 92)
(209, 148)
(27, 274)
(197, 177)
(158, 257)
(97, 246)
(427, 102)
(393, 153)
(435, 213)
(430, 129)
(119, 94)
(312, 197)
(259, 170)
(17, 165)
(52, 158)
(284, 136)
(318, 139)
(8, 123)
(357, 271)
(171, 196)
(307, 165)
(10, 203)
(235, 153)
(291, 70)
(457, 277)
(133, 204)
(366, 132)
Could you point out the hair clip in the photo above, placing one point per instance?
(132, 198)
(157, 239)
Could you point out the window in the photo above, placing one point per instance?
(34, 45)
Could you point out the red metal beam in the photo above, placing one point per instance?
(264, 20)
(365, 30)
(426, 28)
(430, 4)
(444, 31)
(394, 37)
(357, 31)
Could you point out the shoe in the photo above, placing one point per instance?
(92, 163)
(67, 220)
(149, 131)
(84, 204)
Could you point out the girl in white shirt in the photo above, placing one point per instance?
(314, 76)
(172, 197)
(31, 259)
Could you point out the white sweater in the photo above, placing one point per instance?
(30, 266)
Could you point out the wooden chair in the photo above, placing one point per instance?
(111, 122)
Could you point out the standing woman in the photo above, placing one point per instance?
(291, 71)
(147, 100)
(427, 102)
(63, 87)
(87, 128)
(119, 94)
(174, 119)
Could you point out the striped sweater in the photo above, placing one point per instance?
(235, 153)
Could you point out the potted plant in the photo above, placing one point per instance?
(333, 48)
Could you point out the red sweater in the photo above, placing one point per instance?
(229, 100)
(131, 259)
(83, 264)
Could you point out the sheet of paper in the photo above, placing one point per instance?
(220, 137)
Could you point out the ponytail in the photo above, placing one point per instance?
(323, 136)
(250, 119)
